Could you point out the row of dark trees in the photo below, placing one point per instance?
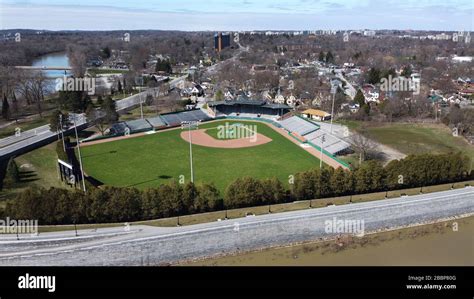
(163, 66)
(328, 57)
(413, 171)
(111, 204)
(76, 101)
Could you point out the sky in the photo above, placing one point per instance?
(234, 15)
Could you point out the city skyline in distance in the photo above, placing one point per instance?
(212, 15)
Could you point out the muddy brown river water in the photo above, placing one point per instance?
(429, 245)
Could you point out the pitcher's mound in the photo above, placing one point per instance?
(200, 137)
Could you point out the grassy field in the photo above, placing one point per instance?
(418, 138)
(148, 111)
(37, 168)
(154, 159)
(97, 71)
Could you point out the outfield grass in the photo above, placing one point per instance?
(418, 138)
(151, 160)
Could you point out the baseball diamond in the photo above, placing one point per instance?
(150, 160)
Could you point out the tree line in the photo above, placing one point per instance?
(113, 204)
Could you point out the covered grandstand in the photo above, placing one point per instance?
(313, 134)
(157, 122)
(130, 127)
(175, 119)
(249, 107)
(298, 125)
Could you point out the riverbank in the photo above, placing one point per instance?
(437, 244)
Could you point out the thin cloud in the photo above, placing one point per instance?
(237, 15)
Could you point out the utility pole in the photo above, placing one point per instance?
(80, 157)
(141, 105)
(61, 130)
(323, 139)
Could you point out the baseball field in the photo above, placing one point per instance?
(150, 160)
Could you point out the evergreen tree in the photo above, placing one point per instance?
(359, 98)
(208, 199)
(5, 108)
(12, 175)
(407, 71)
(219, 95)
(110, 110)
(373, 76)
(15, 111)
(322, 57)
(100, 101)
(119, 87)
(330, 57)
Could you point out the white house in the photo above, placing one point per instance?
(460, 59)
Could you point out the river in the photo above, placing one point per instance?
(59, 59)
(428, 245)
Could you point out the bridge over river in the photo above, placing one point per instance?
(44, 68)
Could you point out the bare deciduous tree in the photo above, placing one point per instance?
(33, 88)
(363, 145)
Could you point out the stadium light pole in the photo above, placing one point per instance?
(80, 157)
(191, 152)
(323, 139)
(333, 91)
(189, 125)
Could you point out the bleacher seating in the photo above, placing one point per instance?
(313, 133)
(298, 125)
(139, 125)
(156, 122)
(118, 128)
(332, 144)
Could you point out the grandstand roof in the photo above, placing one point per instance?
(299, 125)
(174, 119)
(316, 112)
(250, 102)
(138, 125)
(156, 121)
(276, 106)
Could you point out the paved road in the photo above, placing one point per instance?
(31, 139)
(143, 245)
(34, 138)
(350, 90)
(24, 135)
(135, 100)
